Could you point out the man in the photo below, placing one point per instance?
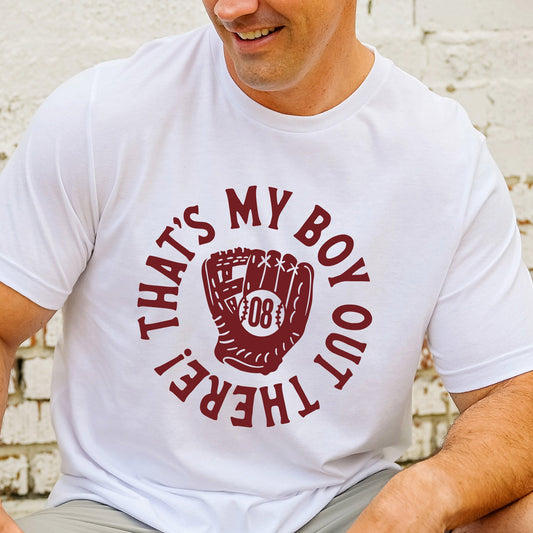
(250, 240)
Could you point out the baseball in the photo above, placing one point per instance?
(261, 312)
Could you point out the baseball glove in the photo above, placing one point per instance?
(260, 303)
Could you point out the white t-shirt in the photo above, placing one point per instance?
(246, 293)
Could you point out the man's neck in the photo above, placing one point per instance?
(314, 96)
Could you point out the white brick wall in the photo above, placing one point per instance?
(44, 468)
(14, 475)
(27, 422)
(36, 378)
(494, 15)
(479, 52)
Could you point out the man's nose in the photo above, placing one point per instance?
(229, 10)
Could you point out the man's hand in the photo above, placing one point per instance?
(486, 463)
(408, 502)
(7, 524)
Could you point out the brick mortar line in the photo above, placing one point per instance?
(29, 450)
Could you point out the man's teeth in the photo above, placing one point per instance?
(250, 35)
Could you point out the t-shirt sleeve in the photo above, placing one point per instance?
(48, 199)
(481, 331)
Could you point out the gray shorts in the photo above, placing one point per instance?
(83, 516)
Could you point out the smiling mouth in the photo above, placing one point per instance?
(257, 34)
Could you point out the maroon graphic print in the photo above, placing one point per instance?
(260, 303)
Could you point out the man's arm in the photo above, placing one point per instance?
(485, 464)
(20, 318)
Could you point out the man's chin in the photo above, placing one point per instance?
(261, 80)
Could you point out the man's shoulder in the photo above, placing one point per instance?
(420, 113)
(416, 95)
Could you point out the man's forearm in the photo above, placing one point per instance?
(516, 517)
(486, 462)
(487, 453)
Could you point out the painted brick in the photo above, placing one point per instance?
(522, 196)
(426, 358)
(27, 423)
(120, 19)
(479, 56)
(451, 62)
(14, 475)
(435, 15)
(421, 442)
(44, 471)
(15, 115)
(441, 430)
(404, 47)
(512, 153)
(453, 412)
(13, 379)
(526, 231)
(363, 17)
(53, 328)
(391, 15)
(47, 36)
(511, 99)
(429, 396)
(37, 378)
